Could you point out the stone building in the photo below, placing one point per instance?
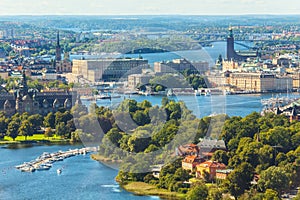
(33, 101)
(260, 82)
(108, 69)
(180, 65)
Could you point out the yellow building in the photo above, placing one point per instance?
(230, 65)
(260, 82)
(296, 80)
(210, 167)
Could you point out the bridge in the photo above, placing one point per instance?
(208, 42)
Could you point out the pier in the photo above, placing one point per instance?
(45, 161)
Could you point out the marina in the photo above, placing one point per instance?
(45, 161)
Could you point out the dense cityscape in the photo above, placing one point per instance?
(150, 106)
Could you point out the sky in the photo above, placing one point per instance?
(148, 7)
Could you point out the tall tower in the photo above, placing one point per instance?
(231, 54)
(23, 85)
(58, 48)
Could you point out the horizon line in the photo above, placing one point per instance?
(152, 14)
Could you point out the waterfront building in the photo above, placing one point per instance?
(180, 65)
(135, 80)
(291, 110)
(33, 101)
(296, 80)
(109, 69)
(260, 82)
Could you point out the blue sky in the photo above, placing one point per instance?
(127, 7)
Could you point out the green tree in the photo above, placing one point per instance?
(75, 135)
(3, 124)
(271, 195)
(114, 136)
(49, 120)
(26, 129)
(61, 129)
(36, 121)
(139, 141)
(239, 179)
(220, 156)
(214, 193)
(298, 196)
(164, 101)
(12, 129)
(275, 178)
(141, 118)
(278, 136)
(198, 192)
(158, 88)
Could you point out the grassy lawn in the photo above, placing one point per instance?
(35, 137)
(141, 188)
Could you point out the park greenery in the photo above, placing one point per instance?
(267, 145)
(187, 79)
(12, 83)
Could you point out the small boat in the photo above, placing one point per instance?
(207, 93)
(27, 169)
(170, 93)
(43, 167)
(21, 166)
(58, 171)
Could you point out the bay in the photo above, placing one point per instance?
(84, 178)
(81, 177)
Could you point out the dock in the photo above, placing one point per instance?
(46, 160)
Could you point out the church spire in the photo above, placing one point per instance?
(58, 48)
(57, 39)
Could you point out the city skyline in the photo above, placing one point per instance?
(143, 7)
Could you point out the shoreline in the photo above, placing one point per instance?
(145, 189)
(140, 188)
(38, 142)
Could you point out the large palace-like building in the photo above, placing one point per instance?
(33, 101)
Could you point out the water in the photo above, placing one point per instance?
(232, 105)
(84, 178)
(81, 177)
(209, 54)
